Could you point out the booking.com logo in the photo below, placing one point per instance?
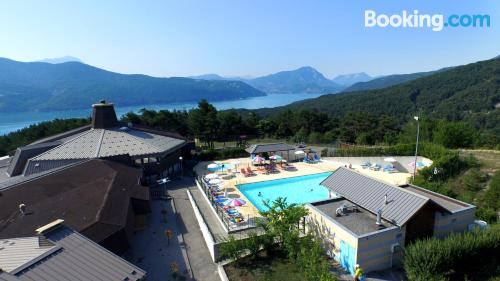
(437, 22)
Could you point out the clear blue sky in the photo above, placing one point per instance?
(236, 37)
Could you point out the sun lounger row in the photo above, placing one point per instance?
(247, 172)
(313, 160)
(377, 167)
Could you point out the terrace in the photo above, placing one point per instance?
(231, 178)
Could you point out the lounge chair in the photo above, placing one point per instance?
(243, 172)
(375, 167)
(366, 165)
(249, 171)
(316, 158)
(389, 169)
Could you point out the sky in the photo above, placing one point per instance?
(243, 38)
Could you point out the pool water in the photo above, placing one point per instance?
(300, 190)
(223, 167)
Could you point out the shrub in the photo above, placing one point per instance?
(312, 262)
(232, 248)
(219, 154)
(455, 256)
(492, 194)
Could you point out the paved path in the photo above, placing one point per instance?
(199, 258)
(151, 250)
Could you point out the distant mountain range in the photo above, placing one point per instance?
(457, 93)
(302, 80)
(30, 86)
(61, 60)
(350, 79)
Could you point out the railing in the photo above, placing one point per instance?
(249, 221)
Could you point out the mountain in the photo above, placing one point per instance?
(387, 81)
(209, 77)
(72, 85)
(303, 80)
(349, 79)
(454, 93)
(61, 60)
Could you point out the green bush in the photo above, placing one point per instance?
(472, 256)
(220, 154)
(492, 194)
(232, 248)
(311, 260)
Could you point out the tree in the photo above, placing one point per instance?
(203, 122)
(454, 135)
(282, 218)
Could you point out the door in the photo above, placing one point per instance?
(347, 257)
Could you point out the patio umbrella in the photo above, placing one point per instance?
(215, 181)
(390, 159)
(213, 166)
(211, 176)
(257, 159)
(298, 152)
(234, 202)
(276, 157)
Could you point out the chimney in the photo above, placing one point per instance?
(379, 217)
(385, 200)
(104, 115)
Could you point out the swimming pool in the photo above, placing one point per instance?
(223, 167)
(300, 190)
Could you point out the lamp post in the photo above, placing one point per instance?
(416, 149)
(182, 169)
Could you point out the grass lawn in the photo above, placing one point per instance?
(263, 268)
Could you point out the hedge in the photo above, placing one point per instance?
(220, 154)
(466, 256)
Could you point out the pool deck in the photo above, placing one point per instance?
(231, 180)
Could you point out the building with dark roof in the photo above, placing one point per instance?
(57, 252)
(99, 198)
(269, 147)
(371, 221)
(105, 138)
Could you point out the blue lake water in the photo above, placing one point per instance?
(299, 190)
(13, 121)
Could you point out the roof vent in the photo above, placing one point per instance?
(22, 209)
(379, 217)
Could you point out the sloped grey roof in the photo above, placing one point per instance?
(99, 143)
(445, 202)
(77, 258)
(369, 193)
(269, 147)
(16, 252)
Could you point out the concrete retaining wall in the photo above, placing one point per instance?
(207, 236)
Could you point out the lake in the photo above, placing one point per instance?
(12, 121)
